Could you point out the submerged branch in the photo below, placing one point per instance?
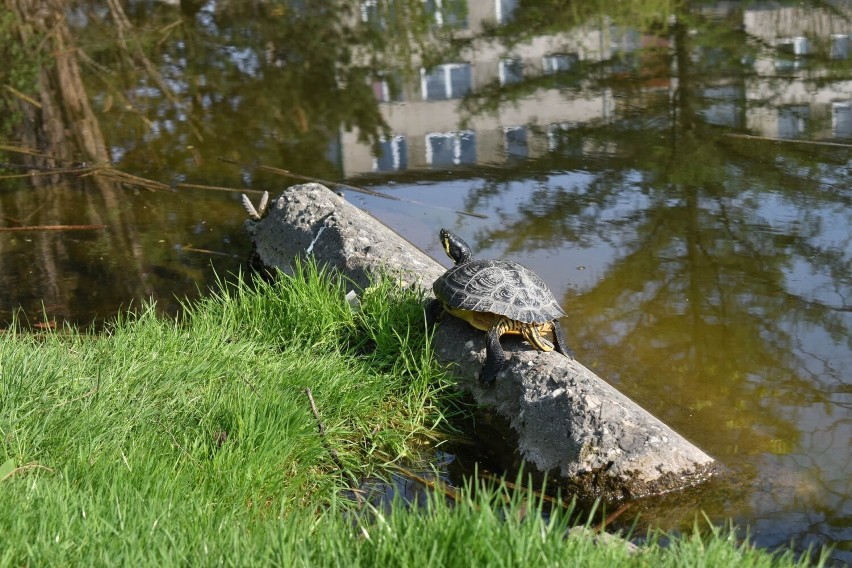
(45, 172)
(23, 96)
(123, 177)
(102, 170)
(611, 517)
(449, 492)
(547, 498)
(210, 252)
(53, 228)
(787, 140)
(327, 183)
(28, 152)
(215, 188)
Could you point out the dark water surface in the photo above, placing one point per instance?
(680, 181)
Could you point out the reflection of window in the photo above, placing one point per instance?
(393, 155)
(448, 13)
(839, 46)
(559, 62)
(388, 89)
(841, 119)
(505, 10)
(515, 139)
(723, 108)
(511, 71)
(793, 121)
(376, 15)
(624, 39)
(448, 81)
(791, 53)
(369, 11)
(795, 45)
(451, 148)
(381, 90)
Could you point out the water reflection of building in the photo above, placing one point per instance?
(783, 95)
(424, 116)
(806, 79)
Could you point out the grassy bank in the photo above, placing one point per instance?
(195, 443)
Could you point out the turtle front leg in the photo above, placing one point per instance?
(495, 357)
(434, 310)
(559, 339)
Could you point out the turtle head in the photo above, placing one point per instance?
(455, 247)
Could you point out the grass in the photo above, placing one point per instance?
(193, 442)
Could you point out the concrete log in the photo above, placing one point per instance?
(555, 414)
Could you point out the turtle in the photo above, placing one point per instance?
(498, 297)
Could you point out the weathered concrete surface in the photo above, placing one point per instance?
(565, 420)
(312, 218)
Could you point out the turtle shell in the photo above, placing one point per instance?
(498, 286)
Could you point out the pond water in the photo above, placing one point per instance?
(677, 173)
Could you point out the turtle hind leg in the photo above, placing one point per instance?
(559, 339)
(495, 357)
(532, 333)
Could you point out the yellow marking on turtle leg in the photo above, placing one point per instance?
(505, 325)
(532, 333)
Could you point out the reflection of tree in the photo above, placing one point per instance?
(272, 82)
(700, 293)
(275, 81)
(162, 89)
(61, 128)
(556, 211)
(63, 107)
(709, 313)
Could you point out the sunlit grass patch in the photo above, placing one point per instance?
(157, 426)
